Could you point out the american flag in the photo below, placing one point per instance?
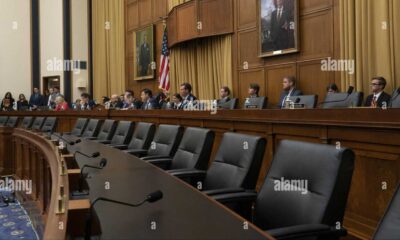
(164, 66)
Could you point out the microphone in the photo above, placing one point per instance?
(71, 143)
(394, 98)
(93, 155)
(349, 92)
(81, 192)
(151, 198)
(297, 100)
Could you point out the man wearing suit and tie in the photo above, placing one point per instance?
(36, 99)
(149, 102)
(280, 24)
(186, 94)
(289, 90)
(378, 98)
(224, 94)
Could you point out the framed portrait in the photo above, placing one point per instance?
(278, 27)
(143, 42)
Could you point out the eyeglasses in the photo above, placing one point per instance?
(376, 84)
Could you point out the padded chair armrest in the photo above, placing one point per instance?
(155, 157)
(103, 141)
(119, 146)
(306, 230)
(136, 152)
(163, 163)
(237, 197)
(91, 138)
(188, 173)
(223, 191)
(67, 133)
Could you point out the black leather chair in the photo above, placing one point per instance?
(3, 120)
(27, 122)
(79, 127)
(122, 135)
(38, 123)
(230, 105)
(164, 144)
(12, 122)
(395, 101)
(389, 227)
(92, 128)
(304, 193)
(106, 132)
(343, 100)
(309, 101)
(142, 137)
(49, 125)
(236, 165)
(193, 151)
(256, 103)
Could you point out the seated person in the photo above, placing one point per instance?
(148, 101)
(289, 90)
(115, 102)
(253, 91)
(332, 88)
(22, 103)
(61, 104)
(186, 94)
(378, 96)
(86, 103)
(224, 94)
(177, 102)
(8, 102)
(130, 102)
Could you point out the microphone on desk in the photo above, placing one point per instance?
(71, 143)
(93, 155)
(102, 164)
(349, 92)
(151, 198)
(395, 97)
(297, 100)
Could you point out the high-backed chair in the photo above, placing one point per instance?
(106, 132)
(92, 128)
(304, 193)
(343, 100)
(164, 144)
(122, 135)
(389, 227)
(49, 125)
(309, 101)
(193, 151)
(236, 165)
(12, 122)
(79, 127)
(256, 103)
(232, 104)
(3, 120)
(142, 137)
(395, 101)
(38, 123)
(27, 122)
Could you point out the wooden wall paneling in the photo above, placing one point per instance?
(186, 24)
(247, 49)
(248, 77)
(145, 12)
(246, 13)
(214, 21)
(273, 78)
(160, 9)
(172, 31)
(310, 6)
(132, 15)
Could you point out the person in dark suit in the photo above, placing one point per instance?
(177, 101)
(144, 56)
(86, 102)
(36, 99)
(280, 23)
(289, 90)
(186, 94)
(149, 103)
(224, 94)
(22, 103)
(130, 101)
(378, 98)
(253, 91)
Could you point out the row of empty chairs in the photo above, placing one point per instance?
(44, 124)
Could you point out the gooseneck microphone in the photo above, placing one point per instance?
(102, 164)
(71, 143)
(93, 155)
(349, 92)
(151, 198)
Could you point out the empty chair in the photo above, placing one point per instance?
(142, 137)
(232, 104)
(92, 129)
(256, 103)
(193, 151)
(79, 127)
(164, 144)
(38, 123)
(3, 120)
(304, 193)
(236, 165)
(106, 132)
(12, 122)
(389, 228)
(343, 100)
(309, 101)
(27, 122)
(395, 101)
(122, 135)
(49, 125)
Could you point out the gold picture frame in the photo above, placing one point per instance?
(143, 59)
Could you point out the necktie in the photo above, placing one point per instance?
(374, 102)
